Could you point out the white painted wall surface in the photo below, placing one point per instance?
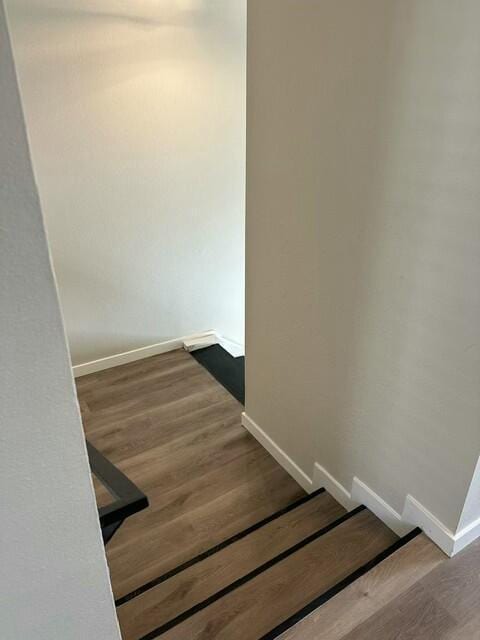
(54, 581)
(136, 114)
(363, 242)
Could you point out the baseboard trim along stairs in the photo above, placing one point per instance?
(280, 456)
(314, 545)
(414, 515)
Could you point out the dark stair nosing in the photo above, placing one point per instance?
(218, 547)
(337, 588)
(155, 633)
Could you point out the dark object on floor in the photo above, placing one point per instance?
(127, 498)
(229, 371)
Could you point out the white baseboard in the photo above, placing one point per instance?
(192, 343)
(322, 478)
(466, 535)
(189, 343)
(414, 514)
(235, 349)
(451, 543)
(136, 354)
(364, 495)
(280, 456)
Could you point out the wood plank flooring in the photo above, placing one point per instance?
(190, 587)
(366, 596)
(416, 593)
(259, 605)
(176, 432)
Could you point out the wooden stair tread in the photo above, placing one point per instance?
(346, 614)
(253, 609)
(200, 581)
(196, 493)
(161, 549)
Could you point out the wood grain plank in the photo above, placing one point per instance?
(416, 614)
(456, 584)
(181, 592)
(466, 629)
(176, 432)
(442, 605)
(128, 438)
(259, 605)
(370, 594)
(166, 506)
(160, 550)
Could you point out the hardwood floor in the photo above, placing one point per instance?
(416, 593)
(368, 595)
(190, 587)
(259, 605)
(176, 432)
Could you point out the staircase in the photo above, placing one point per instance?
(230, 547)
(264, 580)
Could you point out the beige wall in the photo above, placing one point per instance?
(363, 241)
(136, 115)
(54, 583)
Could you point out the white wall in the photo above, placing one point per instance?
(136, 114)
(363, 241)
(54, 582)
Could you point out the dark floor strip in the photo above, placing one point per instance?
(324, 597)
(218, 547)
(249, 576)
(226, 369)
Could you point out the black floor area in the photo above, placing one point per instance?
(229, 371)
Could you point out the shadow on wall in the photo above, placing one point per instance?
(143, 13)
(139, 25)
(123, 39)
(82, 290)
(135, 110)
